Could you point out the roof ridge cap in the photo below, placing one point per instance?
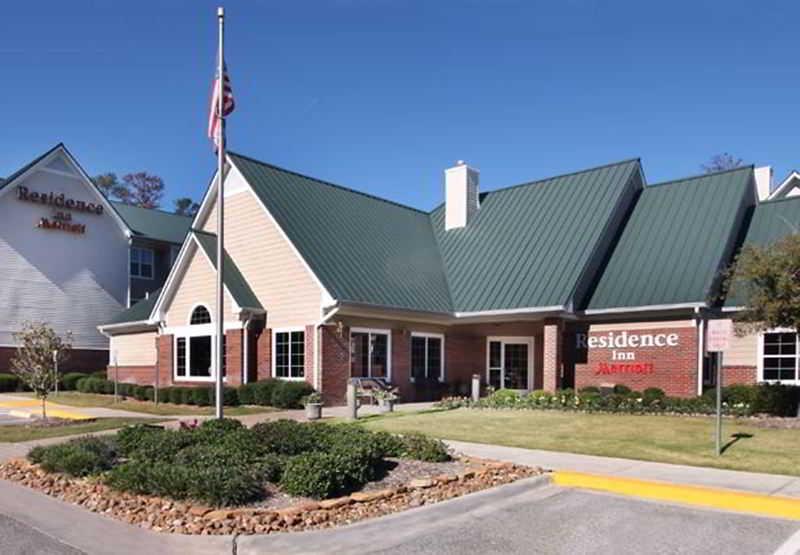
(702, 175)
(328, 183)
(559, 176)
(120, 203)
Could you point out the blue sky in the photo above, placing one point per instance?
(382, 95)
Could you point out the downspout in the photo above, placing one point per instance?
(317, 341)
(701, 332)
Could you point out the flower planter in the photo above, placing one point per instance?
(313, 411)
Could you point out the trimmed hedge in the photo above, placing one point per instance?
(8, 382)
(69, 381)
(737, 400)
(289, 394)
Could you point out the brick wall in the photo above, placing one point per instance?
(164, 345)
(739, 374)
(309, 355)
(401, 364)
(80, 360)
(141, 375)
(671, 368)
(263, 353)
(335, 364)
(464, 356)
(233, 357)
(552, 356)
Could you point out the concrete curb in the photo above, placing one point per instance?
(397, 528)
(729, 500)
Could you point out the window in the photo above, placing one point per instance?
(426, 356)
(200, 315)
(289, 358)
(370, 353)
(780, 356)
(194, 348)
(141, 263)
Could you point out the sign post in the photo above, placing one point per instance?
(55, 369)
(718, 339)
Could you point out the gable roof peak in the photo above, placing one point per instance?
(326, 183)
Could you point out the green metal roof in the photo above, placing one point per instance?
(154, 224)
(676, 240)
(528, 246)
(138, 312)
(772, 220)
(234, 281)
(362, 248)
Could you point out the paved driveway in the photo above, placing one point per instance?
(530, 517)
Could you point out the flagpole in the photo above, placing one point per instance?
(220, 355)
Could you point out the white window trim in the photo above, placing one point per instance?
(374, 331)
(503, 339)
(152, 263)
(760, 356)
(274, 354)
(187, 333)
(427, 335)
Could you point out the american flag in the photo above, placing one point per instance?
(214, 119)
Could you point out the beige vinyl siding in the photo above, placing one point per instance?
(135, 349)
(275, 272)
(743, 351)
(197, 286)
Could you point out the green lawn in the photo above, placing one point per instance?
(77, 399)
(13, 433)
(670, 439)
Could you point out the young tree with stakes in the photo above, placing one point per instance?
(39, 349)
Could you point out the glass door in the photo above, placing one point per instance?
(510, 363)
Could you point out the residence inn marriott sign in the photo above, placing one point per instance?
(72, 259)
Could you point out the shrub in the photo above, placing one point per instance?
(129, 438)
(423, 448)
(776, 399)
(8, 382)
(150, 394)
(285, 437)
(202, 396)
(503, 398)
(230, 397)
(270, 467)
(621, 389)
(140, 393)
(652, 395)
(100, 374)
(247, 394)
(78, 457)
(263, 391)
(69, 381)
(162, 445)
(175, 395)
(154, 478)
(289, 394)
(221, 426)
(589, 389)
(312, 475)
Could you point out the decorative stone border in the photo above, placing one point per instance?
(179, 517)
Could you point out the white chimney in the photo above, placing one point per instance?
(763, 182)
(460, 195)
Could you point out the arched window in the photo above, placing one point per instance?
(200, 315)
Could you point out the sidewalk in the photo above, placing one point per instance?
(749, 482)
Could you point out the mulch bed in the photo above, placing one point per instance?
(408, 484)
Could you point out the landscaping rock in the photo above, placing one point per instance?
(167, 516)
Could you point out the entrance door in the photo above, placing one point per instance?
(510, 363)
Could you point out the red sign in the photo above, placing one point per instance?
(607, 368)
